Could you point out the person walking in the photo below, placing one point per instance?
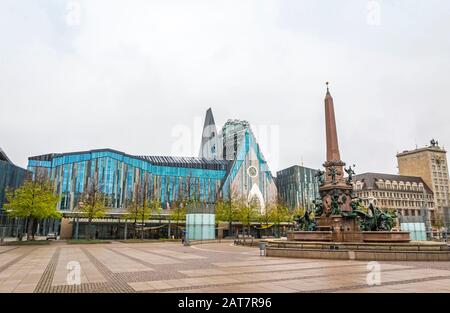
(183, 236)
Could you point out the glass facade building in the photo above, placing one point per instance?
(297, 186)
(11, 176)
(117, 174)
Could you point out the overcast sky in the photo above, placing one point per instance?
(136, 75)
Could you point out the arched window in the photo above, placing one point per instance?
(388, 184)
(359, 185)
(408, 186)
(420, 187)
(394, 185)
(380, 183)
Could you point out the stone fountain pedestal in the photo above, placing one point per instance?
(336, 228)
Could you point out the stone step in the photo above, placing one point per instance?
(362, 255)
(361, 246)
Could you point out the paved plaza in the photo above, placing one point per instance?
(214, 267)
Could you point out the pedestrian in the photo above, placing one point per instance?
(96, 234)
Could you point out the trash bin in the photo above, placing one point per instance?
(262, 248)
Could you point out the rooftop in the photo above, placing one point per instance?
(187, 162)
(369, 179)
(434, 147)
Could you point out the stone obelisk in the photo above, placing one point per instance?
(335, 189)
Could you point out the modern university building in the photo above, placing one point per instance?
(230, 164)
(11, 176)
(298, 187)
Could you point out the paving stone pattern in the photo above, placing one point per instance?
(215, 267)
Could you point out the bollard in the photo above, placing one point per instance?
(262, 249)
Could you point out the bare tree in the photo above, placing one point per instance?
(92, 204)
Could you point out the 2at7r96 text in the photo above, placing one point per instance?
(246, 303)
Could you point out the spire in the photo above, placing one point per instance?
(331, 132)
(209, 137)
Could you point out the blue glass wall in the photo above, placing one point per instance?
(10, 176)
(297, 186)
(117, 174)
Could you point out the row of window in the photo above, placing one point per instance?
(399, 195)
(406, 212)
(435, 174)
(442, 168)
(440, 181)
(398, 203)
(408, 186)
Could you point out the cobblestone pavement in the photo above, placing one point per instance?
(215, 267)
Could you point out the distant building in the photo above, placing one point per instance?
(429, 163)
(407, 195)
(11, 176)
(297, 186)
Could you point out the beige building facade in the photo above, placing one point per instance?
(429, 163)
(406, 195)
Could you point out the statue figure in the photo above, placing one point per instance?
(350, 172)
(335, 204)
(320, 176)
(375, 219)
(318, 208)
(356, 204)
(333, 173)
(305, 222)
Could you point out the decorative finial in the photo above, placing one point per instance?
(328, 90)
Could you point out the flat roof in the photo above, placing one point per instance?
(189, 162)
(432, 149)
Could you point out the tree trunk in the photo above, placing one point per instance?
(142, 229)
(88, 231)
(168, 231)
(135, 228)
(30, 233)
